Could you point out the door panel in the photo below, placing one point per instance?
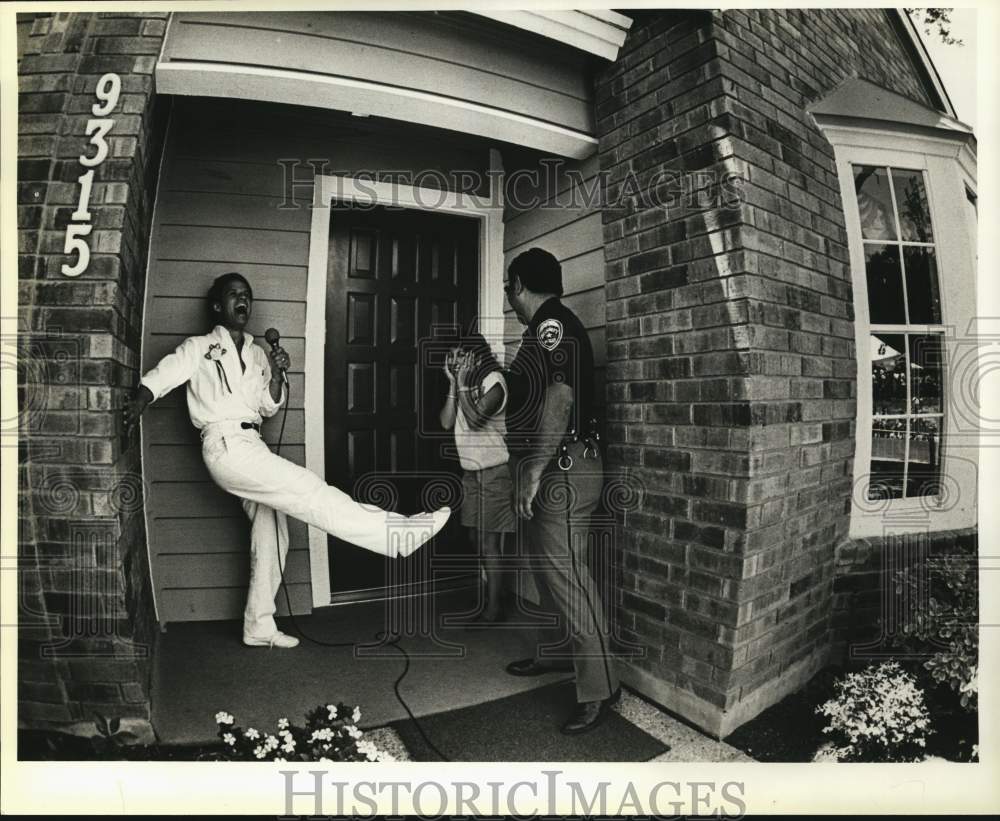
(400, 283)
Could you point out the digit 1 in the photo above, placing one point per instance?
(86, 183)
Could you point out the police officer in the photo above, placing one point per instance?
(557, 472)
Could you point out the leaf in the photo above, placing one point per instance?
(102, 724)
(116, 724)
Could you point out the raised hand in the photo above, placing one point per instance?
(466, 362)
(451, 364)
(134, 406)
(280, 360)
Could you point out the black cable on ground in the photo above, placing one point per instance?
(382, 636)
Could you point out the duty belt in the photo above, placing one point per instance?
(591, 440)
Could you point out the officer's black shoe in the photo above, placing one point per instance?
(530, 667)
(590, 714)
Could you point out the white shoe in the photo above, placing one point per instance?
(433, 522)
(279, 639)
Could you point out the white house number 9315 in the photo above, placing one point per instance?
(109, 89)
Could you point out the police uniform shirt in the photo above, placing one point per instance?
(555, 348)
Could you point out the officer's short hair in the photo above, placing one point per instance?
(537, 270)
(219, 288)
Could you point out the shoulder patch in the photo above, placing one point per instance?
(550, 334)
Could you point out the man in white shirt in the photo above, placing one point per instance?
(231, 385)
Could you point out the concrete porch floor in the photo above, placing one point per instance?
(201, 668)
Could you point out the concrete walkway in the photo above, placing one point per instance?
(202, 667)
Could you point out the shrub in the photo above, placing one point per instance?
(878, 714)
(947, 629)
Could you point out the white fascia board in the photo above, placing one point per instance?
(367, 98)
(584, 30)
(925, 58)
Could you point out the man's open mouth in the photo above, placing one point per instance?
(242, 311)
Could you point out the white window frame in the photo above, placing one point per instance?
(949, 167)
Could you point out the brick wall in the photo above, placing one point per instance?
(86, 621)
(731, 362)
(866, 608)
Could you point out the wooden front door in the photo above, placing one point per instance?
(401, 283)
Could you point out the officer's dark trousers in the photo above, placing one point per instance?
(556, 542)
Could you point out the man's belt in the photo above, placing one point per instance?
(250, 426)
(591, 440)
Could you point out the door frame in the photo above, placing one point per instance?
(329, 188)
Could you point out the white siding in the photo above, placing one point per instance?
(569, 228)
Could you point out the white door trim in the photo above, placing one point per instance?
(487, 210)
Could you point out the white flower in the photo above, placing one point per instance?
(223, 717)
(323, 758)
(279, 758)
(229, 738)
(271, 742)
(289, 747)
(333, 711)
(252, 733)
(356, 715)
(282, 723)
(326, 734)
(260, 752)
(215, 352)
(353, 731)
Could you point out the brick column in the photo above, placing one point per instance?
(86, 620)
(731, 378)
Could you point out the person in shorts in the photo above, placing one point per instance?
(474, 408)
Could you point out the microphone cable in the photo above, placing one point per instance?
(382, 636)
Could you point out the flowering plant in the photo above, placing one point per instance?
(330, 734)
(878, 714)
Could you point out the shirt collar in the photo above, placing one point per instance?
(220, 331)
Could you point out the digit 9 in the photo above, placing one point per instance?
(109, 87)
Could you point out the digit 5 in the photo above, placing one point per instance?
(75, 242)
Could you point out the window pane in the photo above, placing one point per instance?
(911, 200)
(871, 184)
(888, 459)
(922, 286)
(888, 360)
(924, 475)
(885, 284)
(926, 361)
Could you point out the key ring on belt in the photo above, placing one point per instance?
(565, 461)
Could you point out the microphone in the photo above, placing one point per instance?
(272, 337)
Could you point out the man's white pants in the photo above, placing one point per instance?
(242, 464)
(265, 571)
